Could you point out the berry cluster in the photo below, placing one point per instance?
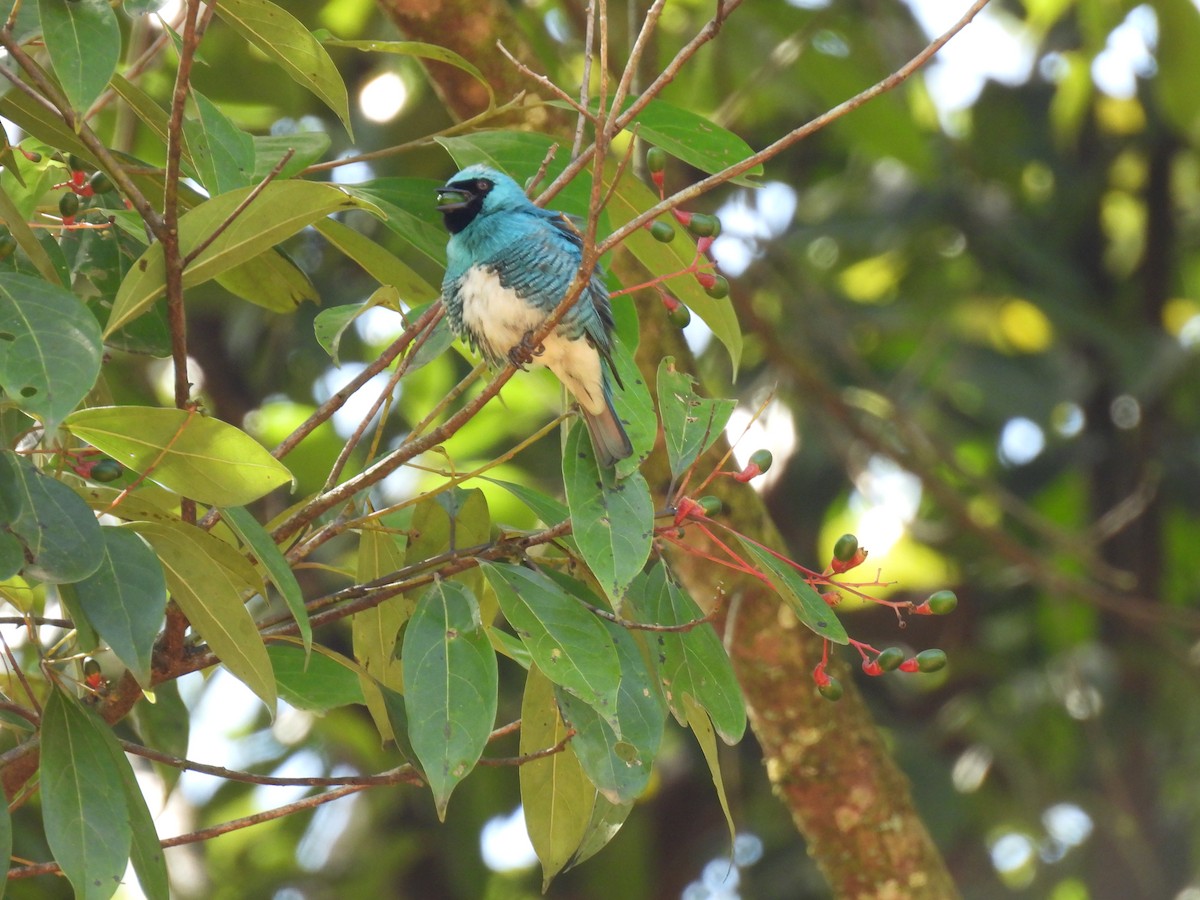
(705, 228)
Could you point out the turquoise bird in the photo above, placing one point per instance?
(508, 264)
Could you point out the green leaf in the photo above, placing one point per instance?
(422, 51)
(12, 556)
(330, 324)
(146, 851)
(269, 149)
(556, 795)
(702, 728)
(125, 598)
(566, 641)
(374, 632)
(693, 139)
(450, 684)
(607, 819)
(61, 538)
(164, 724)
(635, 407)
(317, 683)
(83, 799)
(25, 238)
(205, 459)
(208, 586)
(378, 262)
(50, 347)
(613, 518)
(798, 594)
(291, 46)
(83, 40)
(279, 573)
(545, 507)
(271, 280)
(691, 424)
(222, 153)
(619, 764)
(279, 211)
(691, 663)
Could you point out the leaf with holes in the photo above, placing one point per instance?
(450, 683)
(613, 518)
(50, 347)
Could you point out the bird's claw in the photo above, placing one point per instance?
(525, 351)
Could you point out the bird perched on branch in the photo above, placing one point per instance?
(508, 265)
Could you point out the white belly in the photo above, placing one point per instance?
(500, 320)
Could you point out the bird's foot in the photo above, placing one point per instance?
(525, 351)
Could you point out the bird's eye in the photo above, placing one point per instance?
(483, 185)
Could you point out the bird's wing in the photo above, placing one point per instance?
(542, 266)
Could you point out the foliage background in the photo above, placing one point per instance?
(1030, 257)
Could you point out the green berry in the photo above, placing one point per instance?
(101, 183)
(91, 666)
(8, 244)
(75, 164)
(762, 458)
(942, 603)
(662, 231)
(931, 660)
(889, 660)
(107, 470)
(68, 204)
(703, 225)
(711, 505)
(680, 316)
(656, 159)
(719, 288)
(845, 548)
(832, 689)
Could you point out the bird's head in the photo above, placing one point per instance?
(477, 191)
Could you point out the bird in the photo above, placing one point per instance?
(508, 265)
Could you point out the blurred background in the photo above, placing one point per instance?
(972, 310)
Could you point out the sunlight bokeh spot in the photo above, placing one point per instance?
(383, 97)
(504, 843)
(873, 280)
(1021, 441)
(1025, 327)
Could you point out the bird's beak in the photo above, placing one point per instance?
(449, 199)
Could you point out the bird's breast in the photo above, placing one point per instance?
(496, 317)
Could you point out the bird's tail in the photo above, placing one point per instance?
(609, 439)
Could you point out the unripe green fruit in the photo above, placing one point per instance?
(656, 159)
(8, 244)
(831, 691)
(718, 289)
(662, 231)
(91, 666)
(101, 183)
(762, 458)
(107, 470)
(845, 548)
(942, 603)
(889, 660)
(703, 225)
(68, 204)
(75, 164)
(931, 660)
(711, 505)
(680, 316)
